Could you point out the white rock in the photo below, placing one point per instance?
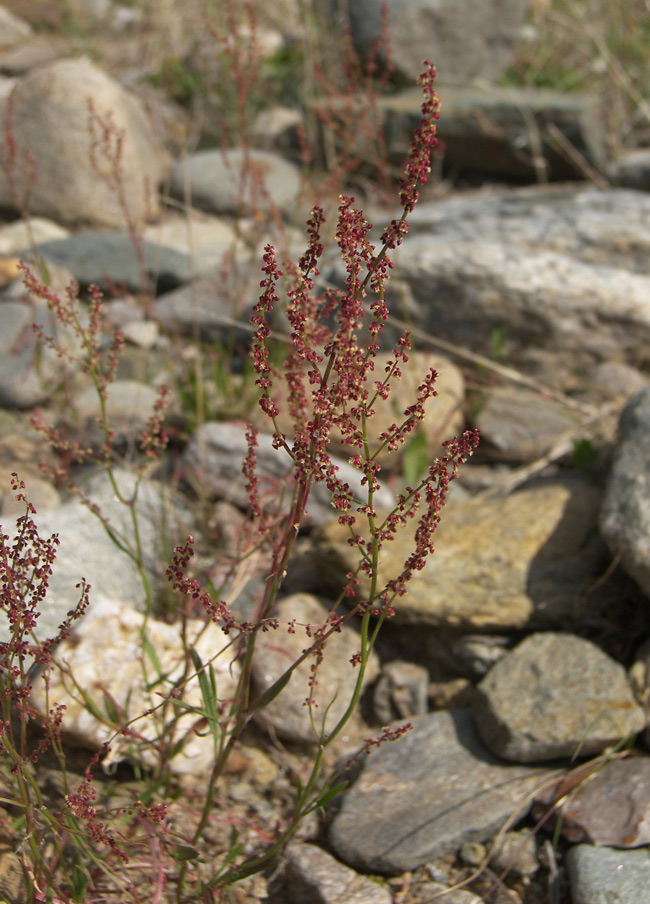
(104, 657)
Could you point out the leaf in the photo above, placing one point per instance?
(330, 794)
(184, 852)
(415, 459)
(272, 692)
(208, 685)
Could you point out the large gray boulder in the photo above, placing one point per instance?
(50, 122)
(625, 513)
(466, 39)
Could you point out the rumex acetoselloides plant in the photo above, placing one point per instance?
(331, 388)
(327, 375)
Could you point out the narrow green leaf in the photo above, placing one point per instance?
(208, 686)
(109, 706)
(186, 852)
(79, 883)
(272, 692)
(152, 656)
(330, 794)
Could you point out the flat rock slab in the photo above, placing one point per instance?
(518, 425)
(522, 561)
(425, 795)
(555, 695)
(608, 227)
(108, 259)
(605, 876)
(604, 803)
(625, 513)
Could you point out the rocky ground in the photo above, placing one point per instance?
(521, 653)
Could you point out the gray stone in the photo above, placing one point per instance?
(87, 551)
(51, 121)
(201, 305)
(555, 695)
(604, 876)
(215, 456)
(30, 372)
(540, 300)
(466, 39)
(594, 226)
(206, 241)
(423, 796)
(625, 513)
(276, 650)
(312, 876)
(604, 803)
(108, 259)
(400, 692)
(128, 406)
(17, 236)
(13, 30)
(522, 561)
(235, 181)
(518, 425)
(510, 132)
(631, 170)
(517, 853)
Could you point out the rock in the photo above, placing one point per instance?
(593, 226)
(30, 372)
(631, 169)
(607, 802)
(235, 181)
(41, 494)
(108, 259)
(504, 132)
(215, 456)
(559, 272)
(424, 795)
(51, 119)
(17, 236)
(87, 551)
(206, 241)
(34, 52)
(276, 650)
(312, 876)
(518, 425)
(617, 379)
(400, 692)
(543, 301)
(128, 405)
(143, 334)
(104, 656)
(601, 875)
(466, 39)
(204, 306)
(476, 653)
(555, 695)
(431, 891)
(495, 567)
(625, 513)
(13, 30)
(517, 853)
